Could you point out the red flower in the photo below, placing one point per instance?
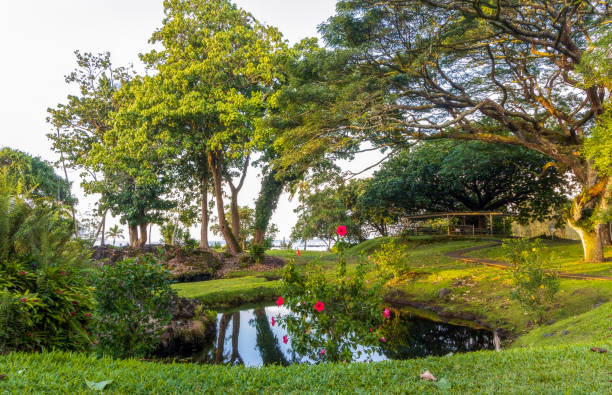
(24, 300)
(87, 315)
(273, 321)
(386, 313)
(75, 302)
(382, 339)
(279, 301)
(22, 273)
(319, 306)
(370, 329)
(341, 230)
(72, 313)
(298, 252)
(322, 352)
(285, 339)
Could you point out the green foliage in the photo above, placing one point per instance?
(35, 175)
(598, 146)
(535, 283)
(390, 260)
(468, 176)
(132, 306)
(351, 316)
(257, 253)
(45, 301)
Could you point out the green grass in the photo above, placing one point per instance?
(229, 292)
(562, 369)
(563, 256)
(594, 327)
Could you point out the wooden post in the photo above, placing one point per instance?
(491, 223)
(448, 224)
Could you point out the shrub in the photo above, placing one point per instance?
(44, 298)
(534, 283)
(257, 253)
(389, 259)
(133, 301)
(351, 312)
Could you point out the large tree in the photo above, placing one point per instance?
(215, 73)
(447, 175)
(509, 72)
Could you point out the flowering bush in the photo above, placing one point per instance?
(329, 319)
(133, 306)
(535, 284)
(44, 298)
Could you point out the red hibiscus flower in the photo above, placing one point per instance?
(382, 339)
(279, 301)
(319, 306)
(298, 252)
(285, 339)
(273, 321)
(341, 230)
(322, 352)
(22, 272)
(386, 313)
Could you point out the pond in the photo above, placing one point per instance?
(247, 337)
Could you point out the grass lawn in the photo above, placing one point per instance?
(541, 370)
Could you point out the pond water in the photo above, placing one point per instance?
(246, 337)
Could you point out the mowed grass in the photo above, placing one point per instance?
(229, 292)
(542, 370)
(563, 256)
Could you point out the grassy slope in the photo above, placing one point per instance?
(565, 257)
(592, 327)
(576, 370)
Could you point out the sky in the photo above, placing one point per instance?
(39, 38)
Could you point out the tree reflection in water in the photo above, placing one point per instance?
(258, 343)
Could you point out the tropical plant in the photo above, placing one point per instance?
(45, 301)
(114, 232)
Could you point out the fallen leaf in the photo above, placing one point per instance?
(443, 384)
(427, 376)
(599, 350)
(99, 386)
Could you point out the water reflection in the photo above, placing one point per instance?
(247, 337)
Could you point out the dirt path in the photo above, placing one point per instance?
(461, 255)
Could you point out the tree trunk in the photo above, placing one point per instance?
(102, 242)
(133, 229)
(143, 235)
(607, 234)
(593, 199)
(266, 203)
(204, 207)
(235, 215)
(232, 244)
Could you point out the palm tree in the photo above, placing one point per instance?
(115, 233)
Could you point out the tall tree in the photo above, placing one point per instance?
(216, 72)
(505, 72)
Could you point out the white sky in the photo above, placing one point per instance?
(40, 36)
